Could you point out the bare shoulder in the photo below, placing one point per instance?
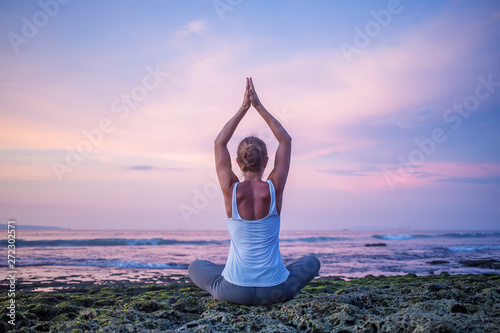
(278, 187)
(227, 194)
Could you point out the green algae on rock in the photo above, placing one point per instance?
(441, 303)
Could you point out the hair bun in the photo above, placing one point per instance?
(252, 156)
(251, 153)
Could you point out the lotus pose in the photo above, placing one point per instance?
(254, 273)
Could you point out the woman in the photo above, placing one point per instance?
(254, 272)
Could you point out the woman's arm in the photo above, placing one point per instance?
(279, 173)
(222, 157)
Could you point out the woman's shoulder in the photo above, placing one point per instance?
(274, 184)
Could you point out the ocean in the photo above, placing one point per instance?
(147, 256)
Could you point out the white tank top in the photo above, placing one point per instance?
(254, 258)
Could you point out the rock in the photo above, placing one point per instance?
(458, 308)
(146, 306)
(410, 303)
(482, 263)
(376, 244)
(436, 287)
(437, 262)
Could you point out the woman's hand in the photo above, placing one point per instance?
(253, 95)
(246, 99)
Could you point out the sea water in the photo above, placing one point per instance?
(99, 255)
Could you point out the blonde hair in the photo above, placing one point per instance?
(252, 153)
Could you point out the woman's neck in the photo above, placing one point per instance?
(252, 175)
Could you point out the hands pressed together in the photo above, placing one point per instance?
(250, 98)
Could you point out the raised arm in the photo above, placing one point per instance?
(222, 157)
(279, 173)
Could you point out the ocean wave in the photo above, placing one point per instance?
(313, 239)
(395, 237)
(99, 263)
(110, 242)
(473, 248)
(448, 235)
(471, 234)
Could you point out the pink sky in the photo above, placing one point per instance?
(148, 162)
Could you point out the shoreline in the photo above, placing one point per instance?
(432, 303)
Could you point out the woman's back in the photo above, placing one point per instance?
(254, 199)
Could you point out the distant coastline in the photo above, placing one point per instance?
(32, 227)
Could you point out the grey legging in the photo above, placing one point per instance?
(207, 276)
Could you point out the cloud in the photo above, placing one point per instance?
(359, 171)
(141, 167)
(423, 117)
(149, 168)
(470, 180)
(193, 27)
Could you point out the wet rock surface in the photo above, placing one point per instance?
(441, 303)
(482, 263)
(437, 262)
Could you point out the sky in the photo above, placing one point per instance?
(109, 109)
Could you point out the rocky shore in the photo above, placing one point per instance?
(440, 303)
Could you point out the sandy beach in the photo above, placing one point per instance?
(409, 303)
